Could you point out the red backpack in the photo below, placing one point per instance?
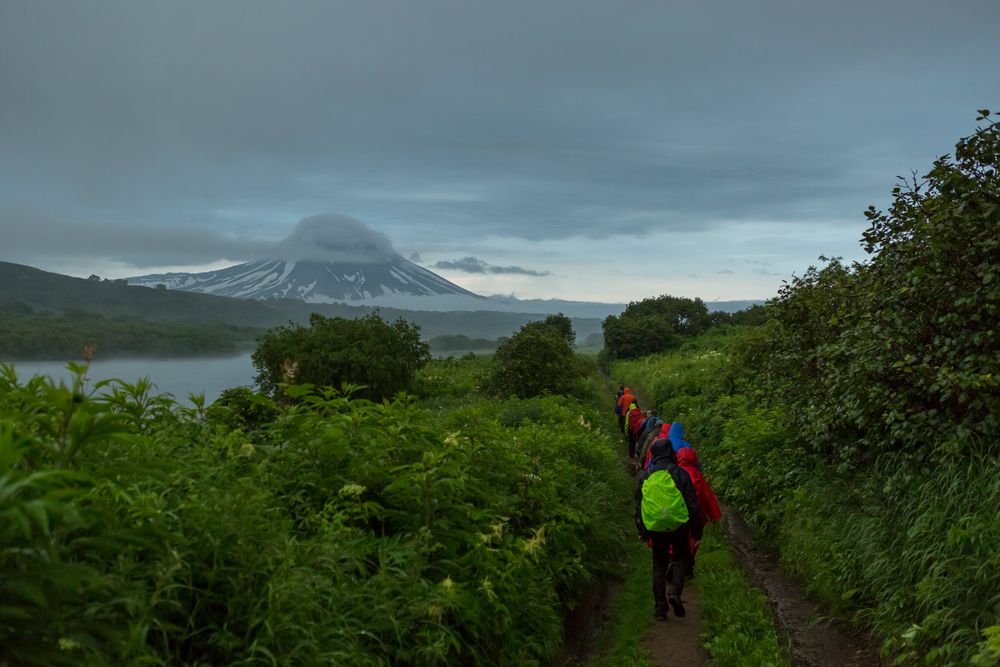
(634, 421)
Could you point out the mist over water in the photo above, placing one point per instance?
(178, 377)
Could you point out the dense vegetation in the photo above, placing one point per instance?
(332, 351)
(462, 343)
(858, 427)
(452, 529)
(26, 335)
(536, 361)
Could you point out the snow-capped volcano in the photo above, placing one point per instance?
(328, 258)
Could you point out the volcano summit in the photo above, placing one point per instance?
(328, 258)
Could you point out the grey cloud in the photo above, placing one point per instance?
(762, 267)
(30, 236)
(524, 119)
(725, 272)
(334, 237)
(476, 265)
(328, 236)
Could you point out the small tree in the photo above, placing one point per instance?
(536, 360)
(558, 323)
(653, 325)
(332, 351)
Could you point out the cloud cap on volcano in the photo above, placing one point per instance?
(333, 237)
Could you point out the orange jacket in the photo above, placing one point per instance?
(625, 400)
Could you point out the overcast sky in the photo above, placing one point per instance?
(601, 151)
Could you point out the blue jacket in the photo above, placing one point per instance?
(677, 437)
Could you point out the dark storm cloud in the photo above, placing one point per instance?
(30, 237)
(476, 265)
(525, 119)
(327, 237)
(334, 237)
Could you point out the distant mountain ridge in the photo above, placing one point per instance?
(312, 281)
(53, 292)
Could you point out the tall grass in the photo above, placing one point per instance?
(909, 550)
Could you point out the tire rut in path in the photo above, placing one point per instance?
(816, 640)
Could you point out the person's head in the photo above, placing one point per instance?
(687, 457)
(653, 412)
(662, 450)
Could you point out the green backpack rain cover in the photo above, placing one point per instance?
(663, 507)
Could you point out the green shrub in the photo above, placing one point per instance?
(380, 358)
(537, 360)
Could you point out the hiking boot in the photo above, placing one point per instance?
(661, 614)
(677, 605)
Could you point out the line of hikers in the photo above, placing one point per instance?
(672, 498)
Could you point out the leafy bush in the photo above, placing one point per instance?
(536, 360)
(653, 325)
(334, 351)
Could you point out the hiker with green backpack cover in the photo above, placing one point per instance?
(666, 512)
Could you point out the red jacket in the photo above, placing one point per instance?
(634, 421)
(708, 506)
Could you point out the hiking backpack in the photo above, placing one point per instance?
(663, 507)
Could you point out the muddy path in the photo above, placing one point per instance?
(815, 639)
(674, 642)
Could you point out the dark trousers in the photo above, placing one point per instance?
(670, 548)
(621, 422)
(631, 446)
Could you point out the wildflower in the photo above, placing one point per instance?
(89, 350)
(351, 490)
(435, 611)
(67, 644)
(536, 542)
(290, 369)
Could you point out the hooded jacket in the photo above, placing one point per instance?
(651, 436)
(626, 399)
(708, 506)
(677, 437)
(663, 458)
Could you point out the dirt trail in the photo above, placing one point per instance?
(674, 642)
(816, 640)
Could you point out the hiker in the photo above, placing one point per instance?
(656, 433)
(708, 506)
(666, 513)
(633, 420)
(618, 403)
(677, 437)
(624, 401)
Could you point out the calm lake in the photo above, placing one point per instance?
(179, 377)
